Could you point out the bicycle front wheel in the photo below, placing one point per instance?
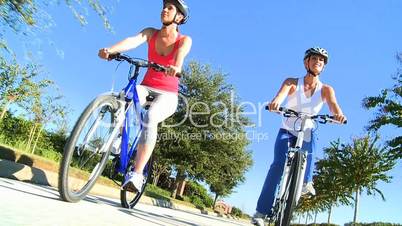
(289, 197)
(87, 149)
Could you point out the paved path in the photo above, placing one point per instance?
(25, 204)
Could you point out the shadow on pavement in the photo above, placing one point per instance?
(100, 200)
(167, 219)
(7, 154)
(38, 175)
(162, 203)
(5, 171)
(8, 168)
(29, 193)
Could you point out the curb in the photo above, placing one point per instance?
(21, 172)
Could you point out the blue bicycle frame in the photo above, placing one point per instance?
(131, 95)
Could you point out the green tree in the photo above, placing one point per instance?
(21, 14)
(328, 182)
(225, 175)
(361, 165)
(50, 109)
(388, 110)
(14, 13)
(195, 139)
(368, 164)
(18, 84)
(14, 130)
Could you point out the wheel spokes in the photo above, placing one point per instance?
(90, 146)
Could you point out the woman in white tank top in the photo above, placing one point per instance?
(306, 94)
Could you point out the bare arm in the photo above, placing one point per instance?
(282, 93)
(182, 52)
(328, 95)
(128, 43)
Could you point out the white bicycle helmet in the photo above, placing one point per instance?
(318, 51)
(182, 7)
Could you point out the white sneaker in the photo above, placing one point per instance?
(258, 219)
(133, 182)
(308, 189)
(116, 146)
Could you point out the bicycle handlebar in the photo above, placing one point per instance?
(320, 118)
(140, 62)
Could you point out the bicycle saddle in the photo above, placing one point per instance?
(149, 99)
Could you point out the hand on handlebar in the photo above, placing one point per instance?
(273, 106)
(340, 118)
(173, 71)
(169, 71)
(104, 53)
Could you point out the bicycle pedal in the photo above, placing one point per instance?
(116, 162)
(129, 187)
(114, 170)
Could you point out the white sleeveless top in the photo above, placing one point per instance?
(300, 103)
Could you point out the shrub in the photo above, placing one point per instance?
(194, 189)
(156, 192)
(49, 154)
(372, 224)
(197, 201)
(322, 224)
(15, 131)
(236, 212)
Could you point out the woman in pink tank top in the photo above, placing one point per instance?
(166, 47)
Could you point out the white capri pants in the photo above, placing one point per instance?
(163, 106)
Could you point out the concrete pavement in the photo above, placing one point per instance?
(33, 169)
(26, 204)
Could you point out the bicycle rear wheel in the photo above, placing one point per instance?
(88, 148)
(289, 197)
(129, 199)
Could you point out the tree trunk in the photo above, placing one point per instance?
(37, 138)
(30, 138)
(306, 218)
(216, 198)
(315, 217)
(157, 171)
(179, 178)
(357, 197)
(5, 108)
(155, 180)
(300, 218)
(329, 215)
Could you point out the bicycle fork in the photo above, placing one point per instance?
(285, 177)
(119, 119)
(301, 176)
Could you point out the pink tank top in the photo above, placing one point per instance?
(159, 80)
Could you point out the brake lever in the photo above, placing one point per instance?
(115, 56)
(286, 114)
(332, 119)
(142, 64)
(322, 120)
(157, 67)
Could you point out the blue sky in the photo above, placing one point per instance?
(258, 44)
